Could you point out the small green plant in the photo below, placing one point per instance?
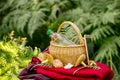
(14, 56)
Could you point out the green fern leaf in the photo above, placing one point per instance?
(101, 32)
(22, 21)
(95, 20)
(87, 28)
(53, 16)
(108, 45)
(108, 17)
(35, 22)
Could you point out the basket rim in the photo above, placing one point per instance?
(80, 45)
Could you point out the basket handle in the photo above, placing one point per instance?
(75, 28)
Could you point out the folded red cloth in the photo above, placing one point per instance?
(47, 73)
(105, 73)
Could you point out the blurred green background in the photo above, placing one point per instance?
(23, 26)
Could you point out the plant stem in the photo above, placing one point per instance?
(110, 55)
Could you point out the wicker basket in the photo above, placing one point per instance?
(68, 54)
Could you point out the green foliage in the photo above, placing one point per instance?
(28, 18)
(98, 18)
(14, 56)
(23, 16)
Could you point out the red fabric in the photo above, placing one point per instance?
(35, 60)
(105, 73)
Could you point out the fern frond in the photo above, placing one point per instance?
(101, 32)
(56, 8)
(117, 40)
(101, 5)
(54, 11)
(36, 20)
(73, 13)
(6, 4)
(86, 5)
(23, 20)
(95, 20)
(109, 45)
(64, 3)
(23, 4)
(87, 28)
(108, 17)
(115, 69)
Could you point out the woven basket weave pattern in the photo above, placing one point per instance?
(68, 54)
